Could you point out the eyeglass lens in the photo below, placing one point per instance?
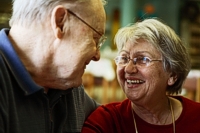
(139, 61)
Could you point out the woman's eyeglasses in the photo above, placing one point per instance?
(138, 61)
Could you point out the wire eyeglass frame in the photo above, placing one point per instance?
(123, 61)
(102, 38)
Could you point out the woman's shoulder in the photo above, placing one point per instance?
(189, 118)
(112, 109)
(188, 104)
(108, 115)
(116, 105)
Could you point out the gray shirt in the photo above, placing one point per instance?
(25, 108)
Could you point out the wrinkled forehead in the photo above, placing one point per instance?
(140, 47)
(137, 44)
(129, 41)
(90, 8)
(92, 12)
(134, 33)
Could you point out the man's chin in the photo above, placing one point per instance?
(73, 84)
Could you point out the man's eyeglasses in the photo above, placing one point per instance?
(139, 61)
(103, 37)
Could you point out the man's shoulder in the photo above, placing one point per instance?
(4, 71)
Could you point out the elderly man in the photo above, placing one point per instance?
(42, 60)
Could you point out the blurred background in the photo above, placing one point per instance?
(182, 15)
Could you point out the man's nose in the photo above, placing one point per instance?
(96, 56)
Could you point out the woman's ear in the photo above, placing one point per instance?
(172, 80)
(58, 18)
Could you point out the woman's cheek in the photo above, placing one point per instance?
(120, 74)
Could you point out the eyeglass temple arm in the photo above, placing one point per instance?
(83, 21)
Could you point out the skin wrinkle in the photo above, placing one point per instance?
(59, 61)
(155, 117)
(153, 77)
(151, 99)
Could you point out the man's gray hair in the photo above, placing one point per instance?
(37, 10)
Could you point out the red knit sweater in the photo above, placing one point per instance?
(117, 118)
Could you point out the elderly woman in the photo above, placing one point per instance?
(152, 64)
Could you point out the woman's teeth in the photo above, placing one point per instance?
(134, 81)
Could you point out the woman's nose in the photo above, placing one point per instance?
(131, 67)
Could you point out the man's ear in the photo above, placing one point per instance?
(58, 18)
(172, 80)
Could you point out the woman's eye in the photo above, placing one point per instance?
(143, 59)
(140, 58)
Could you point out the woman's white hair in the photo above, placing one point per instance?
(28, 11)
